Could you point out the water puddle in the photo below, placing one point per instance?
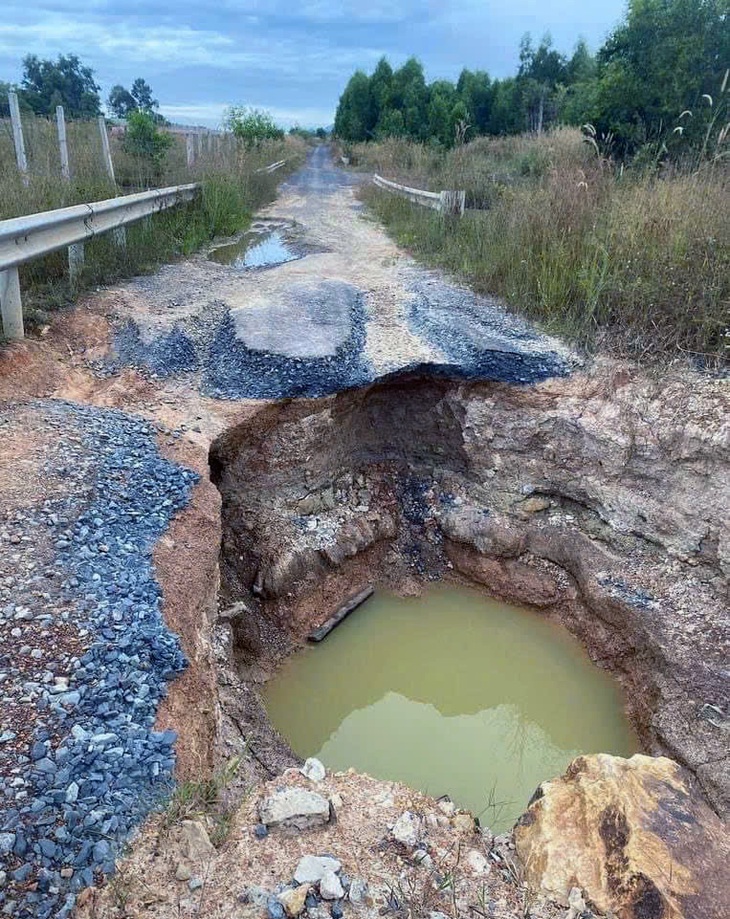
(453, 694)
(254, 250)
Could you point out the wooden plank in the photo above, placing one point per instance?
(342, 613)
(18, 140)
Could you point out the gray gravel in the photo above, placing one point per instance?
(90, 765)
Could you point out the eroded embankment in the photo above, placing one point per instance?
(594, 499)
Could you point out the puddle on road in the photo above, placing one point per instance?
(254, 250)
(451, 693)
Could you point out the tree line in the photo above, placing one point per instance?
(661, 75)
(66, 81)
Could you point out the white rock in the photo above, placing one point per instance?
(294, 807)
(313, 770)
(477, 862)
(196, 841)
(358, 891)
(330, 887)
(406, 829)
(312, 868)
(576, 903)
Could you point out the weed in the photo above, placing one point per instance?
(203, 798)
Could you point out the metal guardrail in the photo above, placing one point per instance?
(445, 202)
(272, 168)
(23, 239)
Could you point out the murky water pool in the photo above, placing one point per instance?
(453, 694)
(254, 250)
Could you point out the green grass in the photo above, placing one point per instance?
(231, 193)
(635, 263)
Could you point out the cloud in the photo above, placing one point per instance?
(293, 58)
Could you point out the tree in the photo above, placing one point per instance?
(142, 95)
(65, 82)
(121, 102)
(659, 63)
(354, 121)
(541, 71)
(251, 125)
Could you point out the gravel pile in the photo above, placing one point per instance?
(87, 658)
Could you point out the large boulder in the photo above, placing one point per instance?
(634, 834)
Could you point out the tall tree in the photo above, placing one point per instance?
(121, 102)
(354, 119)
(65, 81)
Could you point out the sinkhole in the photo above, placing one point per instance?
(451, 693)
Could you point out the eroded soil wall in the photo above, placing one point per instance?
(594, 499)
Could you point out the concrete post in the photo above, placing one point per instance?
(189, 149)
(120, 234)
(11, 305)
(18, 140)
(62, 143)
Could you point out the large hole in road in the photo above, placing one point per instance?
(416, 487)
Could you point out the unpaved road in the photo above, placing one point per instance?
(351, 308)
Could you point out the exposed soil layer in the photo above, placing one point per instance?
(595, 499)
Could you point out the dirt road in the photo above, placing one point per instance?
(347, 308)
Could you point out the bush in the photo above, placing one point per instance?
(145, 142)
(252, 126)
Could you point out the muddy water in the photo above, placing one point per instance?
(255, 251)
(451, 693)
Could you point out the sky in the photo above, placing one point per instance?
(292, 57)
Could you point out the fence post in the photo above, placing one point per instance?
(11, 305)
(18, 137)
(120, 234)
(196, 141)
(62, 143)
(189, 149)
(106, 149)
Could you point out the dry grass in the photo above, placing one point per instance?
(638, 263)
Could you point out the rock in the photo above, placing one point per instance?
(633, 834)
(406, 829)
(463, 823)
(358, 891)
(337, 912)
(7, 841)
(274, 909)
(260, 831)
(576, 904)
(294, 807)
(477, 862)
(313, 770)
(197, 844)
(195, 883)
(505, 577)
(533, 505)
(293, 900)
(330, 887)
(183, 872)
(312, 868)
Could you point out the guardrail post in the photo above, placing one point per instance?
(76, 259)
(17, 124)
(11, 305)
(62, 143)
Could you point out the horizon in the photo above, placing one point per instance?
(294, 65)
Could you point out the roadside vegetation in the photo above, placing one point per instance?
(613, 232)
(145, 155)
